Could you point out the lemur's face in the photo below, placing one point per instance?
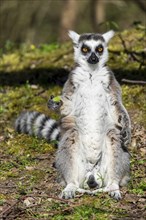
(91, 49)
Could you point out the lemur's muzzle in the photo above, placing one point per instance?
(93, 59)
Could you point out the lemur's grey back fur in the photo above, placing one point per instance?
(38, 124)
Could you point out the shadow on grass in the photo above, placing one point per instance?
(41, 76)
(58, 76)
(134, 74)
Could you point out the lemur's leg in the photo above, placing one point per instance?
(118, 112)
(122, 121)
(69, 162)
(117, 163)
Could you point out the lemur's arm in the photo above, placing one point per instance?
(67, 97)
(67, 107)
(118, 111)
(63, 103)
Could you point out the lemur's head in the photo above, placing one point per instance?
(91, 49)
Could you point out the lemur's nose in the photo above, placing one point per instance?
(93, 59)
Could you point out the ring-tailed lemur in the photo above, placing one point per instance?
(94, 130)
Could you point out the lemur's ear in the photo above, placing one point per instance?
(74, 36)
(108, 35)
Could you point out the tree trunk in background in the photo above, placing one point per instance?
(97, 13)
(141, 4)
(22, 19)
(42, 21)
(68, 18)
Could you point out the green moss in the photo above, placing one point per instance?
(2, 200)
(31, 57)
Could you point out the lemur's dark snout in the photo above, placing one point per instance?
(93, 59)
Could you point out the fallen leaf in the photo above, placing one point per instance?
(29, 201)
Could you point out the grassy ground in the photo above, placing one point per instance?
(28, 186)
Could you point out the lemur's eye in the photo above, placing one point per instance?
(84, 49)
(99, 49)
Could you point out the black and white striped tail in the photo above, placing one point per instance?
(38, 124)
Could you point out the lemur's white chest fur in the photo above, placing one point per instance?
(91, 109)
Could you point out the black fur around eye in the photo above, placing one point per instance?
(85, 49)
(99, 49)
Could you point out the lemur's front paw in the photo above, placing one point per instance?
(126, 136)
(123, 126)
(54, 103)
(116, 194)
(114, 191)
(123, 120)
(68, 192)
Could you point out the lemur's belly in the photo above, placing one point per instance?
(91, 111)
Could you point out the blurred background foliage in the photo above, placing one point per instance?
(37, 21)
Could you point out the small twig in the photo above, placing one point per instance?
(8, 210)
(62, 200)
(12, 217)
(7, 187)
(40, 92)
(50, 197)
(123, 42)
(134, 81)
(142, 53)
